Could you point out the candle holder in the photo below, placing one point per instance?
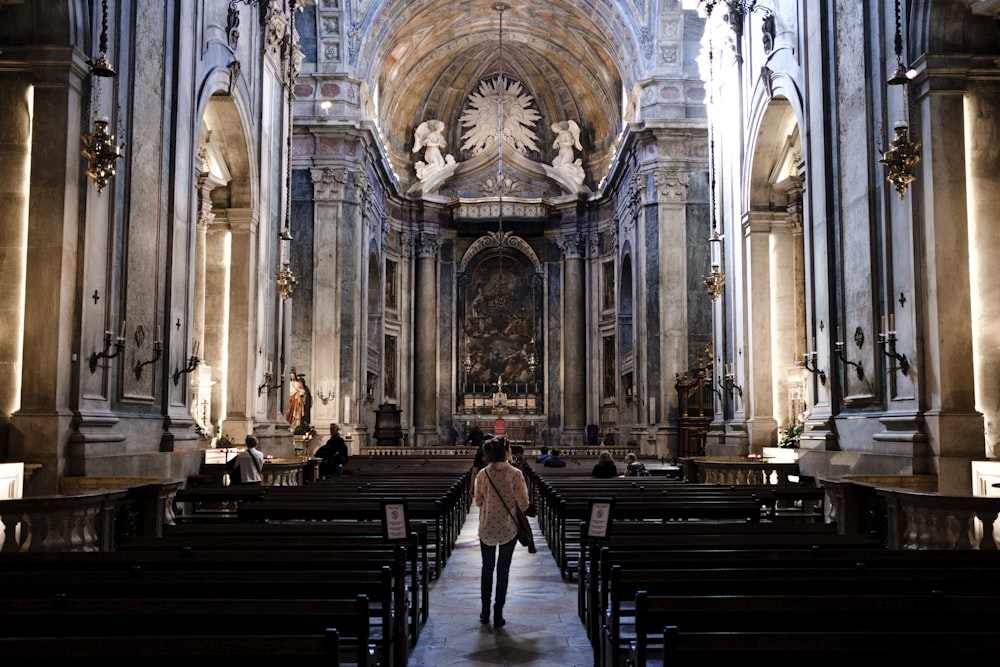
(325, 391)
(109, 342)
(814, 369)
(271, 388)
(729, 382)
(897, 360)
(838, 348)
(157, 352)
(192, 364)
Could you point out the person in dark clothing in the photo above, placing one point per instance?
(543, 455)
(554, 461)
(476, 437)
(605, 466)
(333, 454)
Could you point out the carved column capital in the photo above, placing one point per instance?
(571, 245)
(328, 182)
(671, 186)
(427, 245)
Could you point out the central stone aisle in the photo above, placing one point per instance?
(543, 628)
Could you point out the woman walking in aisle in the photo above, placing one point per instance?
(499, 491)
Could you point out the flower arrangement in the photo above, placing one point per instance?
(306, 430)
(790, 436)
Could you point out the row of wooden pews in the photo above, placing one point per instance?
(317, 565)
(562, 497)
(677, 590)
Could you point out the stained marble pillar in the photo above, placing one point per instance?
(425, 335)
(574, 341)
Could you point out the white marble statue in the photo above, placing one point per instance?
(567, 138)
(429, 136)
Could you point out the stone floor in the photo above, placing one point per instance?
(542, 630)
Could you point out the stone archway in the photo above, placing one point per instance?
(225, 270)
(775, 277)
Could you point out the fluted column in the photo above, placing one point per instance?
(574, 340)
(425, 334)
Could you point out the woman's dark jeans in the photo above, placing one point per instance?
(503, 572)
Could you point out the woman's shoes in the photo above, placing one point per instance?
(484, 618)
(498, 619)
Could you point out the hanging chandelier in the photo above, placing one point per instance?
(99, 145)
(716, 279)
(904, 152)
(285, 278)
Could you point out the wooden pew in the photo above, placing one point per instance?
(169, 618)
(391, 639)
(325, 647)
(866, 647)
(367, 530)
(404, 600)
(924, 618)
(618, 614)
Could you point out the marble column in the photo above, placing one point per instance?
(753, 370)
(41, 425)
(425, 335)
(241, 331)
(671, 191)
(574, 341)
(954, 426)
(15, 158)
(329, 189)
(983, 110)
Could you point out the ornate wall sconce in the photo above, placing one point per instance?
(109, 342)
(157, 352)
(838, 348)
(101, 152)
(887, 339)
(192, 364)
(325, 391)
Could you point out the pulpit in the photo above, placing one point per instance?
(388, 432)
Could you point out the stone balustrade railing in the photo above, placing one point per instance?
(90, 519)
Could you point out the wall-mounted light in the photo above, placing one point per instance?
(157, 351)
(325, 390)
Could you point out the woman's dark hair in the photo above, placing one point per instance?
(495, 450)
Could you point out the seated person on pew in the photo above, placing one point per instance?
(333, 454)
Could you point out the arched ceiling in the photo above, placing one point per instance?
(573, 57)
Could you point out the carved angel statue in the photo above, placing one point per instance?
(567, 138)
(429, 136)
